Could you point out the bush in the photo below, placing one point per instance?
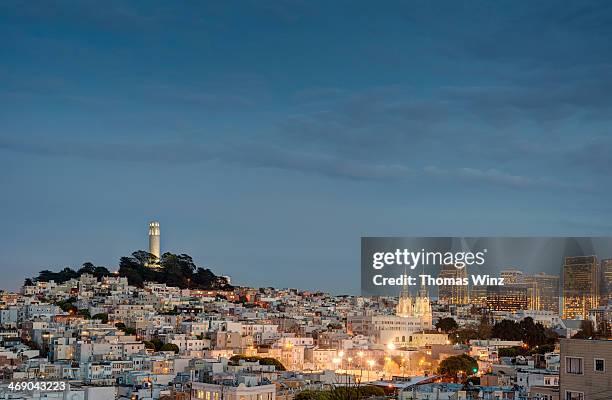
(170, 347)
(102, 316)
(453, 365)
(262, 360)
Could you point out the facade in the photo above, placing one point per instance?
(411, 315)
(606, 281)
(478, 295)
(453, 294)
(580, 286)
(242, 391)
(512, 276)
(542, 292)
(510, 297)
(586, 369)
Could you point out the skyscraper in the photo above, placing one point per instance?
(512, 296)
(580, 286)
(542, 292)
(606, 283)
(453, 294)
(154, 239)
(478, 295)
(512, 276)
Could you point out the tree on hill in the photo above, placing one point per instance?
(101, 316)
(485, 329)
(172, 269)
(68, 273)
(512, 351)
(88, 268)
(67, 305)
(262, 360)
(127, 330)
(454, 365)
(447, 324)
(157, 344)
(507, 330)
(170, 347)
(464, 335)
(534, 334)
(58, 277)
(149, 345)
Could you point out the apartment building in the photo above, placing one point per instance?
(586, 369)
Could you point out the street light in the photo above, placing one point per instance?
(360, 355)
(336, 361)
(370, 364)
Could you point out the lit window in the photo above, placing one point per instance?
(573, 365)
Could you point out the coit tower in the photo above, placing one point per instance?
(154, 238)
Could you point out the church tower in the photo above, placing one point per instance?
(404, 307)
(422, 305)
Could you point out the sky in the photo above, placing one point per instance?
(267, 137)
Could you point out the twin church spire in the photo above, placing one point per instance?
(409, 307)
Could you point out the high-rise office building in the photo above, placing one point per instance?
(453, 294)
(512, 296)
(512, 276)
(478, 295)
(542, 292)
(606, 281)
(580, 286)
(509, 297)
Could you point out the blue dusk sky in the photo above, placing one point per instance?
(267, 137)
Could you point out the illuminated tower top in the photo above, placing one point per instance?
(154, 238)
(404, 304)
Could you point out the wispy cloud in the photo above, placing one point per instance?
(254, 155)
(497, 177)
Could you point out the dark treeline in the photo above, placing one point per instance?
(171, 269)
(532, 333)
(68, 273)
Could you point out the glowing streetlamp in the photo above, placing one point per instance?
(370, 365)
(360, 354)
(336, 361)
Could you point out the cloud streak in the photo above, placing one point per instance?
(258, 156)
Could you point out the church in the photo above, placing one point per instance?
(412, 317)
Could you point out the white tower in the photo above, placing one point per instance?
(154, 238)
